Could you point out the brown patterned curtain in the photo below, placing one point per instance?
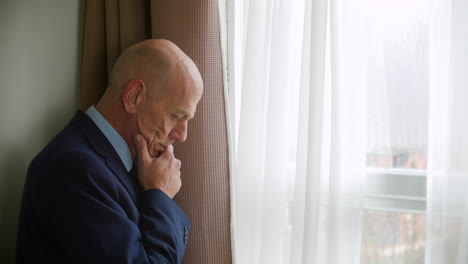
(111, 26)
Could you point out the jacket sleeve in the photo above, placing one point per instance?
(82, 212)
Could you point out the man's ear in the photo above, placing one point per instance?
(133, 95)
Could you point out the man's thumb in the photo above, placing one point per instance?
(140, 147)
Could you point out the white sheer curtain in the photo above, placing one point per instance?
(447, 211)
(301, 134)
(298, 79)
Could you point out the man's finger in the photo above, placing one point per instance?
(140, 147)
(168, 152)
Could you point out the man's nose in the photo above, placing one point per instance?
(179, 133)
(183, 135)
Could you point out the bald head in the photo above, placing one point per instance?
(151, 61)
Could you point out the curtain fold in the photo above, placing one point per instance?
(301, 135)
(447, 210)
(93, 70)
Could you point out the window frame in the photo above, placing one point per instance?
(406, 192)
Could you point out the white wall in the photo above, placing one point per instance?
(39, 47)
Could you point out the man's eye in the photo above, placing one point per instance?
(176, 117)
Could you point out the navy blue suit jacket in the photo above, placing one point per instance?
(80, 205)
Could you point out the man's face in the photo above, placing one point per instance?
(164, 120)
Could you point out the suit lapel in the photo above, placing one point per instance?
(104, 148)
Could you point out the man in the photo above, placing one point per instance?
(101, 191)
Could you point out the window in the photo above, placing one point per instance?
(376, 170)
(398, 103)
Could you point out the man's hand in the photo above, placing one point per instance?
(162, 172)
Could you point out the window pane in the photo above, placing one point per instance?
(393, 238)
(398, 89)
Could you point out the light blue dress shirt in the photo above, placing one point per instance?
(113, 136)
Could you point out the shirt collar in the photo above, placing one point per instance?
(113, 136)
